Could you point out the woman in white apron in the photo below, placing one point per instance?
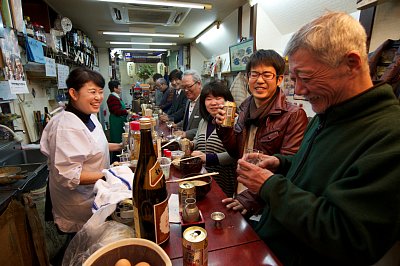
(77, 150)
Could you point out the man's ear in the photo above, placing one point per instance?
(353, 60)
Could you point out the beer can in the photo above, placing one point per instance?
(185, 146)
(195, 246)
(186, 190)
(230, 110)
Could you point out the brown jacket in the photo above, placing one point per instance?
(282, 133)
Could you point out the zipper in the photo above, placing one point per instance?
(312, 139)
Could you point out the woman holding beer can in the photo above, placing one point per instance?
(207, 143)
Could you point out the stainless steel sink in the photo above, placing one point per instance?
(14, 156)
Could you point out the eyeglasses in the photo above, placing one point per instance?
(188, 87)
(265, 75)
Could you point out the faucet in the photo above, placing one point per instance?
(16, 137)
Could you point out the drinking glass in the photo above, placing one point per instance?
(169, 125)
(254, 160)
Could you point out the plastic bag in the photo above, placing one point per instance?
(93, 237)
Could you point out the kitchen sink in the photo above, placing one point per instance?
(15, 156)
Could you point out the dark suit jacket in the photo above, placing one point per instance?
(191, 124)
(177, 110)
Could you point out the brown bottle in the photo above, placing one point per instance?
(150, 196)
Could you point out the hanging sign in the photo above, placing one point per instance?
(50, 67)
(62, 73)
(18, 86)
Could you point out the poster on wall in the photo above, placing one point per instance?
(17, 17)
(13, 70)
(239, 55)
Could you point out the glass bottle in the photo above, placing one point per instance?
(134, 142)
(149, 192)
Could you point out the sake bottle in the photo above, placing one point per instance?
(150, 196)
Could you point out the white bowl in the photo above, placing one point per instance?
(133, 249)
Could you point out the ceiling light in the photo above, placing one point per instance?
(173, 35)
(140, 49)
(145, 43)
(163, 3)
(206, 34)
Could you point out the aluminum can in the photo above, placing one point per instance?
(195, 246)
(185, 146)
(230, 110)
(186, 190)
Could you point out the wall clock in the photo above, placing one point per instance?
(66, 24)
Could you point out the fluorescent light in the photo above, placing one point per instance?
(162, 3)
(145, 43)
(140, 49)
(173, 35)
(208, 32)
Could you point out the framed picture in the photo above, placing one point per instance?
(239, 55)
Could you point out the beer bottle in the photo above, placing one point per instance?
(150, 196)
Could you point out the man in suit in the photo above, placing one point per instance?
(177, 110)
(191, 84)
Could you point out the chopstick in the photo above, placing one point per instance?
(169, 142)
(188, 158)
(192, 177)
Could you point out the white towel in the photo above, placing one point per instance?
(117, 187)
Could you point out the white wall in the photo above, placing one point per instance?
(196, 58)
(104, 70)
(386, 23)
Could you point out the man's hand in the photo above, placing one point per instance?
(235, 205)
(252, 176)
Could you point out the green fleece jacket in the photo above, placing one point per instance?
(337, 201)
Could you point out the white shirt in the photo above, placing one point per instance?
(71, 148)
(192, 104)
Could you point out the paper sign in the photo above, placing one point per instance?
(5, 92)
(18, 86)
(62, 73)
(50, 66)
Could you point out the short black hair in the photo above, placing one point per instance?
(268, 58)
(217, 89)
(157, 76)
(112, 84)
(78, 77)
(175, 74)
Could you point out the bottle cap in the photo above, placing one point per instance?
(134, 125)
(167, 153)
(145, 123)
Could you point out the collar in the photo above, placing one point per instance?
(82, 116)
(193, 102)
(115, 94)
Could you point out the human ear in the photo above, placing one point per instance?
(279, 80)
(353, 60)
(73, 93)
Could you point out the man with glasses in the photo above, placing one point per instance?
(267, 122)
(177, 110)
(191, 84)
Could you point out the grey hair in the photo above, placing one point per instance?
(330, 37)
(162, 81)
(195, 75)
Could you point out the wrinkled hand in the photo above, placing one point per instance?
(201, 154)
(252, 176)
(266, 161)
(235, 205)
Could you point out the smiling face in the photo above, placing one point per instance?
(88, 98)
(191, 87)
(320, 84)
(176, 84)
(212, 104)
(261, 89)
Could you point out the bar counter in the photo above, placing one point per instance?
(235, 243)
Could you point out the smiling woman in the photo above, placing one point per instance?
(77, 149)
